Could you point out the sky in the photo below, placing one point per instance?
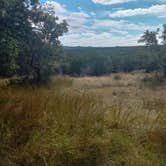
(107, 23)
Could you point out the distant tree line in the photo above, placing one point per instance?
(102, 61)
(80, 61)
(29, 45)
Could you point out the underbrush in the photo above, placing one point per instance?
(59, 125)
(153, 80)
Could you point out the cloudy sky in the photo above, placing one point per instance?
(107, 23)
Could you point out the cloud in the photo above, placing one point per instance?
(122, 32)
(103, 39)
(76, 20)
(111, 2)
(158, 10)
(121, 25)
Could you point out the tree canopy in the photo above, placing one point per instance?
(29, 39)
(150, 38)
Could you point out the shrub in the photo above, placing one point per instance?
(117, 77)
(153, 80)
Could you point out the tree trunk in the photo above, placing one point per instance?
(164, 69)
(38, 76)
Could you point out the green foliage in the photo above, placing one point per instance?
(149, 38)
(151, 41)
(103, 61)
(29, 40)
(163, 36)
(9, 52)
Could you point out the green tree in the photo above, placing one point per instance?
(157, 51)
(149, 38)
(162, 54)
(45, 46)
(29, 38)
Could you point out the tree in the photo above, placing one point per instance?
(149, 38)
(158, 52)
(29, 39)
(13, 25)
(162, 55)
(45, 46)
(15, 33)
(163, 36)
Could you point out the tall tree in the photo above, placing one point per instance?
(29, 39)
(163, 36)
(45, 46)
(150, 39)
(162, 54)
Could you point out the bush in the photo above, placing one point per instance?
(153, 80)
(117, 77)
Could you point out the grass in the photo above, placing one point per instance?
(88, 121)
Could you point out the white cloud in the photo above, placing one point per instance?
(111, 2)
(76, 20)
(158, 10)
(121, 25)
(103, 39)
(122, 32)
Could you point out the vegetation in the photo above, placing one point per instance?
(151, 41)
(117, 120)
(104, 61)
(29, 44)
(81, 121)
(81, 61)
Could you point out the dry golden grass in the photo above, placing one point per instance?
(90, 121)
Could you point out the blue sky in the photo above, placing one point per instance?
(107, 23)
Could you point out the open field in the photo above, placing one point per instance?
(117, 120)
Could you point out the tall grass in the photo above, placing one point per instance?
(61, 125)
(51, 127)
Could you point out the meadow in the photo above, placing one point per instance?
(116, 120)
